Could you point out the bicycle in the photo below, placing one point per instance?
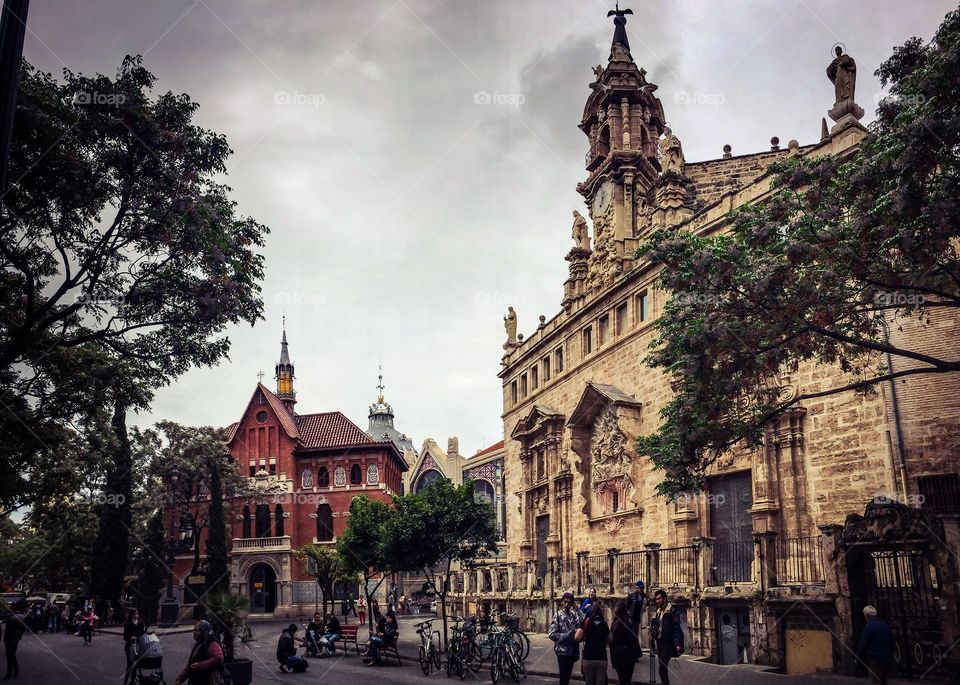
(506, 657)
(520, 637)
(458, 650)
(429, 650)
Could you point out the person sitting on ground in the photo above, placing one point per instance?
(386, 636)
(332, 633)
(287, 652)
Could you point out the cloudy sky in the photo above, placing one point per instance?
(416, 161)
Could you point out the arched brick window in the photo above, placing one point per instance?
(356, 475)
(324, 522)
(323, 477)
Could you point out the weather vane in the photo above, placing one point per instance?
(380, 384)
(619, 12)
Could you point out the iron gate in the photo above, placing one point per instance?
(904, 586)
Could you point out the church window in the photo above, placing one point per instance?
(426, 478)
(616, 502)
(534, 377)
(323, 477)
(513, 392)
(621, 319)
(558, 360)
(306, 479)
(246, 522)
(262, 416)
(587, 340)
(603, 330)
(339, 476)
(278, 520)
(546, 368)
(324, 522)
(263, 521)
(643, 307)
(541, 464)
(523, 385)
(356, 476)
(483, 490)
(273, 469)
(253, 470)
(373, 474)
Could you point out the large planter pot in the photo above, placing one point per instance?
(241, 671)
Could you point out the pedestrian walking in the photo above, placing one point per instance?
(875, 649)
(362, 611)
(206, 657)
(666, 635)
(588, 601)
(624, 644)
(87, 624)
(594, 633)
(133, 628)
(16, 627)
(563, 631)
(375, 611)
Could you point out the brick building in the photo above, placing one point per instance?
(851, 499)
(304, 470)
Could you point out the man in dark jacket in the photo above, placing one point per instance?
(665, 635)
(16, 627)
(287, 652)
(635, 602)
(876, 646)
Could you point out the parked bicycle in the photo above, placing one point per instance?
(459, 649)
(506, 657)
(429, 651)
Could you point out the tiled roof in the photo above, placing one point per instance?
(493, 448)
(232, 430)
(330, 429)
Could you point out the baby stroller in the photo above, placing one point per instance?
(147, 669)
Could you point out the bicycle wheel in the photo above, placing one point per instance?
(461, 666)
(451, 660)
(495, 668)
(424, 662)
(436, 658)
(523, 642)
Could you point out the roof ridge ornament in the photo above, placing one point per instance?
(620, 32)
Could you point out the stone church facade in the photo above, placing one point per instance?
(845, 488)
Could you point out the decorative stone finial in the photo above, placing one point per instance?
(774, 144)
(727, 151)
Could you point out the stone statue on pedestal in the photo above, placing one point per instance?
(842, 72)
(510, 324)
(671, 152)
(580, 234)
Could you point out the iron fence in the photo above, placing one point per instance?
(597, 572)
(733, 562)
(629, 567)
(799, 560)
(677, 566)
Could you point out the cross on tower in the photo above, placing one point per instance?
(260, 375)
(380, 384)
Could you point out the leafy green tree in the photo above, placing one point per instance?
(846, 258)
(364, 545)
(121, 254)
(329, 568)
(438, 526)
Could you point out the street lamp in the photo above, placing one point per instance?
(170, 608)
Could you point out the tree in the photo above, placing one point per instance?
(219, 580)
(363, 545)
(442, 524)
(838, 266)
(329, 568)
(152, 559)
(118, 245)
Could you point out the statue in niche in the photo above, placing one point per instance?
(608, 456)
(581, 233)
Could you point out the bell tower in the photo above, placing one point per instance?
(623, 122)
(284, 374)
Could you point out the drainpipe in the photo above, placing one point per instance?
(896, 412)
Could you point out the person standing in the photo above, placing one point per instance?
(87, 624)
(635, 604)
(588, 601)
(206, 657)
(16, 627)
(362, 611)
(875, 649)
(594, 633)
(563, 630)
(665, 634)
(624, 644)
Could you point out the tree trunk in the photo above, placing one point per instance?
(112, 545)
(217, 535)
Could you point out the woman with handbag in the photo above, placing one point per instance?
(563, 630)
(624, 644)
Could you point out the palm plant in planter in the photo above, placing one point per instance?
(226, 612)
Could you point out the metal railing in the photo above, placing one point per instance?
(256, 544)
(677, 566)
(733, 562)
(596, 572)
(799, 560)
(598, 151)
(628, 568)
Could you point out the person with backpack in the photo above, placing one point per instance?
(594, 633)
(666, 634)
(16, 627)
(206, 657)
(563, 630)
(624, 644)
(290, 662)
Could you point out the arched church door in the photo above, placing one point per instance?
(263, 589)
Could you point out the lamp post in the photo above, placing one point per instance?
(170, 607)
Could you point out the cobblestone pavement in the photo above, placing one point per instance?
(63, 660)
